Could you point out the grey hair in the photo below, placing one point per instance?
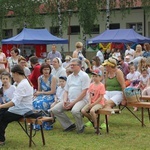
(77, 60)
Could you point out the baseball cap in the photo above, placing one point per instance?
(97, 72)
(63, 77)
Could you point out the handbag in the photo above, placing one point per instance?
(132, 94)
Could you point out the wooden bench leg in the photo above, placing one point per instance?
(42, 134)
(97, 131)
(25, 130)
(30, 135)
(106, 119)
(142, 113)
(148, 113)
(135, 115)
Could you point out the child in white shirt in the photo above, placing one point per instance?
(59, 92)
(144, 79)
(133, 76)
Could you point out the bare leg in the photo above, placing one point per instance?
(93, 117)
(86, 114)
(109, 104)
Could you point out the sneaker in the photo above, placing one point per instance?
(103, 126)
(70, 128)
(81, 131)
(89, 124)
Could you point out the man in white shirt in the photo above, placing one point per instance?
(53, 54)
(129, 52)
(100, 55)
(74, 98)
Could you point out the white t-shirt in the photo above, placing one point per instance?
(12, 62)
(75, 84)
(61, 71)
(145, 80)
(59, 93)
(27, 71)
(82, 58)
(8, 94)
(66, 64)
(130, 52)
(100, 55)
(133, 76)
(22, 99)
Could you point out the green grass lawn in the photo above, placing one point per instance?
(125, 133)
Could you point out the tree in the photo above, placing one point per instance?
(25, 13)
(29, 12)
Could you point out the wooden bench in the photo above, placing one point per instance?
(31, 121)
(141, 105)
(105, 112)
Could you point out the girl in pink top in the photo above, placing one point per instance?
(96, 93)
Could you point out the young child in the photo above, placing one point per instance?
(59, 92)
(146, 91)
(133, 76)
(144, 79)
(6, 90)
(96, 93)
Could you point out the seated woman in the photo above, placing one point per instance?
(58, 70)
(44, 96)
(137, 56)
(114, 83)
(20, 104)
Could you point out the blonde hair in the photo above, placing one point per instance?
(79, 45)
(142, 64)
(139, 47)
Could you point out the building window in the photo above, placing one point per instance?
(114, 26)
(74, 30)
(136, 26)
(54, 30)
(7, 33)
(96, 29)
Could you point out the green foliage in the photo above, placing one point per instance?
(146, 6)
(87, 14)
(27, 13)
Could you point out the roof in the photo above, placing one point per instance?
(34, 36)
(119, 36)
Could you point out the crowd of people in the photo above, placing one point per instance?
(78, 85)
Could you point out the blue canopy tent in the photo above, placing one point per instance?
(34, 36)
(119, 36)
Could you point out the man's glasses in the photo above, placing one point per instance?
(72, 65)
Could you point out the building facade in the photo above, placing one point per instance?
(136, 19)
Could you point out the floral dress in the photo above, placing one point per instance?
(43, 102)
